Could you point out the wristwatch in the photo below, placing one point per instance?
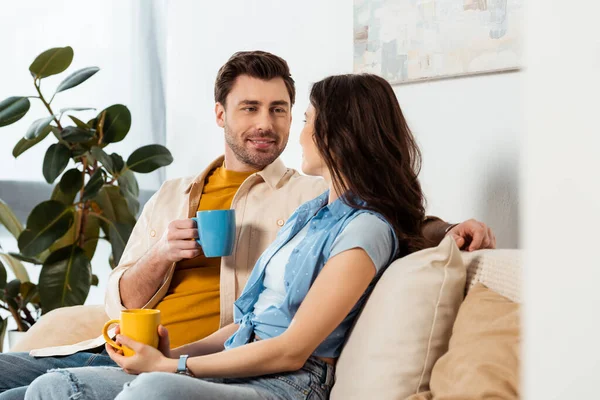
(182, 366)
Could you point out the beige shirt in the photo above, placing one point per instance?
(262, 203)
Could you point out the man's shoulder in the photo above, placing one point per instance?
(177, 183)
(297, 179)
(308, 187)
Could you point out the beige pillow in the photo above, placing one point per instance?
(404, 327)
(64, 326)
(483, 359)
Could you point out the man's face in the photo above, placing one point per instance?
(256, 119)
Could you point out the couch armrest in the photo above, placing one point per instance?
(64, 326)
(499, 270)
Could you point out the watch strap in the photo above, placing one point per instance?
(182, 364)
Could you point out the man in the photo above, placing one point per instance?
(163, 268)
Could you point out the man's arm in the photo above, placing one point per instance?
(469, 235)
(434, 229)
(139, 282)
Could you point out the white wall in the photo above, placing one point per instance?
(561, 206)
(468, 128)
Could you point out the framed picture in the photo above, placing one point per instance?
(415, 40)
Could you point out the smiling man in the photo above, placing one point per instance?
(163, 268)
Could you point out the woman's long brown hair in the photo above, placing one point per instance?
(365, 142)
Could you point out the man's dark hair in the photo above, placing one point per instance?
(257, 64)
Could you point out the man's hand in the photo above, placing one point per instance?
(473, 235)
(175, 244)
(164, 343)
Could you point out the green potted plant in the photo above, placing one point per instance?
(95, 199)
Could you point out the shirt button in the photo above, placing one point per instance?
(280, 222)
(152, 233)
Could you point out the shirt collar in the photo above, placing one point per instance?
(272, 174)
(338, 208)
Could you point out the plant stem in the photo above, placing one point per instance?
(100, 128)
(37, 87)
(28, 317)
(17, 318)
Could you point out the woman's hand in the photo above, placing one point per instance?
(146, 358)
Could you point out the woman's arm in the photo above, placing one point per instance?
(213, 343)
(336, 290)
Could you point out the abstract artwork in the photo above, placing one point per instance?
(414, 40)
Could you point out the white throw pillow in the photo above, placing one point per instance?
(404, 327)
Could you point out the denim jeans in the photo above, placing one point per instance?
(312, 381)
(18, 370)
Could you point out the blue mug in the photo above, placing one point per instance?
(216, 232)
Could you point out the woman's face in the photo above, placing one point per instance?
(312, 163)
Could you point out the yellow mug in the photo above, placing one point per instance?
(140, 325)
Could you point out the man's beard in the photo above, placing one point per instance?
(256, 159)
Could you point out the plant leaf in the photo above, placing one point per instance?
(10, 220)
(149, 158)
(13, 109)
(77, 78)
(104, 158)
(28, 292)
(55, 161)
(94, 185)
(118, 235)
(25, 144)
(117, 222)
(31, 260)
(71, 181)
(58, 195)
(51, 62)
(118, 163)
(79, 123)
(64, 110)
(113, 205)
(37, 127)
(116, 123)
(12, 289)
(111, 262)
(48, 222)
(65, 279)
(129, 188)
(74, 134)
(3, 326)
(91, 235)
(17, 268)
(3, 276)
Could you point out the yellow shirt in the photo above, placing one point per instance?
(190, 309)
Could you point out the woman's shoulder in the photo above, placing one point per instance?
(369, 232)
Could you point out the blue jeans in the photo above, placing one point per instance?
(313, 381)
(18, 370)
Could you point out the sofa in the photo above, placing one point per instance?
(440, 324)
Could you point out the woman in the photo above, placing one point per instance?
(305, 291)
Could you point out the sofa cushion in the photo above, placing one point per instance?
(404, 327)
(64, 326)
(483, 358)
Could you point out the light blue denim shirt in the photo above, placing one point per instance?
(306, 261)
